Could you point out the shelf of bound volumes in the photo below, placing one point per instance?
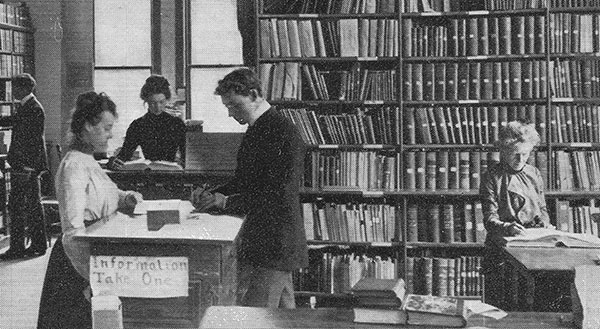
(400, 103)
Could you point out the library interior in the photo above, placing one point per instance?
(425, 163)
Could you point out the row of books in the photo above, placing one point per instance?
(465, 124)
(331, 7)
(475, 80)
(574, 33)
(14, 14)
(571, 3)
(574, 78)
(575, 123)
(427, 170)
(352, 170)
(514, 5)
(13, 41)
(19, 41)
(444, 125)
(440, 276)
(314, 38)
(10, 65)
(6, 93)
(475, 36)
(576, 217)
(576, 170)
(378, 125)
(352, 222)
(296, 81)
(337, 273)
(363, 6)
(445, 222)
(534, 4)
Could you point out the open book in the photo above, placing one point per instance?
(545, 237)
(428, 310)
(143, 164)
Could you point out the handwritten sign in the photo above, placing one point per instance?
(147, 277)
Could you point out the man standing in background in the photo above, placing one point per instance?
(27, 158)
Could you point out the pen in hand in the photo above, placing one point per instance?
(198, 193)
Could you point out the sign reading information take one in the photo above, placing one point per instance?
(146, 277)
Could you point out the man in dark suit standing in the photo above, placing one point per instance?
(270, 163)
(27, 158)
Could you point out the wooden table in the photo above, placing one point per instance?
(532, 262)
(253, 317)
(206, 243)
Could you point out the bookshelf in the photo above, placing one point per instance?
(16, 49)
(16, 56)
(400, 103)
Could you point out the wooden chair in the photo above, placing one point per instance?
(50, 204)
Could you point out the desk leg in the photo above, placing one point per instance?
(529, 291)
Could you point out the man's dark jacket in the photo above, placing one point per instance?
(270, 165)
(27, 146)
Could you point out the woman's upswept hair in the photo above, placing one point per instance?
(155, 84)
(518, 132)
(88, 109)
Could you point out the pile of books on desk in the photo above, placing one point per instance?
(386, 301)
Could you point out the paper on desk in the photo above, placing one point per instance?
(143, 207)
(481, 308)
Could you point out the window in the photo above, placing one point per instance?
(197, 43)
(215, 50)
(123, 58)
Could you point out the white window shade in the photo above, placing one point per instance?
(215, 37)
(123, 87)
(206, 105)
(122, 32)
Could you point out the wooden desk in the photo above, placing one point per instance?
(253, 317)
(531, 263)
(205, 241)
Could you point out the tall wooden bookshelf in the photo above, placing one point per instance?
(16, 49)
(400, 103)
(16, 56)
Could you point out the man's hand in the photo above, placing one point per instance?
(114, 163)
(132, 199)
(515, 228)
(204, 200)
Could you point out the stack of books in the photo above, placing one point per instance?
(386, 301)
(379, 301)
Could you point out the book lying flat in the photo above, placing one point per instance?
(378, 315)
(545, 237)
(371, 292)
(143, 164)
(431, 310)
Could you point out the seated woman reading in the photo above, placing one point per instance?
(158, 133)
(512, 198)
(86, 196)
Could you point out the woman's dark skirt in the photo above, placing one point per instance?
(63, 305)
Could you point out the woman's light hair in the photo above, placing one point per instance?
(517, 132)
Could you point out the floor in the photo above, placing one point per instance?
(20, 289)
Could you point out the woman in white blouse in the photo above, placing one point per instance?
(86, 196)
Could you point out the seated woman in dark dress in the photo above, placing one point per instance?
(158, 133)
(512, 197)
